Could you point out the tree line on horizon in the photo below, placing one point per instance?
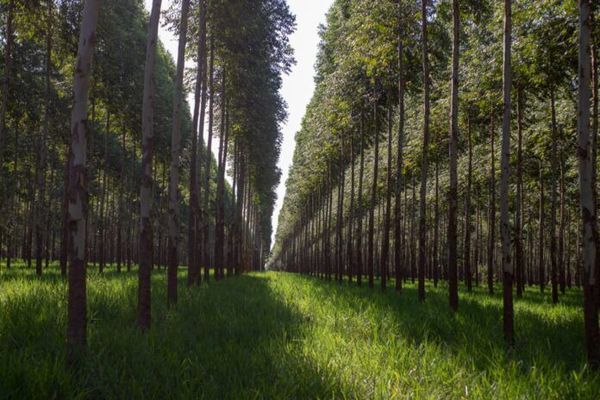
(451, 141)
(131, 179)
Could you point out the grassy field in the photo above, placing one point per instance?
(277, 335)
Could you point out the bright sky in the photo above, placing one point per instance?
(297, 87)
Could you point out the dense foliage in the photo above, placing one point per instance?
(353, 207)
(253, 60)
(135, 159)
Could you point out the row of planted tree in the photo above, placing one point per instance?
(451, 140)
(136, 181)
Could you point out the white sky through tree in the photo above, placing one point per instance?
(298, 86)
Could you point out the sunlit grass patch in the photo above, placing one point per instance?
(278, 335)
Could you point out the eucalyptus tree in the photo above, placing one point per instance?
(586, 196)
(373, 203)
(519, 254)
(193, 276)
(424, 155)
(398, 243)
(175, 162)
(146, 200)
(505, 227)
(205, 256)
(351, 214)
(40, 218)
(553, 194)
(220, 194)
(359, 224)
(388, 204)
(77, 297)
(491, 245)
(195, 239)
(7, 197)
(453, 149)
(467, 256)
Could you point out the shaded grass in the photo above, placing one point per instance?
(278, 335)
(407, 349)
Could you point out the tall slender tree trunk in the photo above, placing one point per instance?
(77, 299)
(340, 217)
(51, 205)
(329, 221)
(505, 228)
(352, 216)
(64, 242)
(93, 221)
(327, 230)
(519, 267)
(468, 221)
(553, 196)
(40, 220)
(413, 223)
(373, 203)
(594, 133)
(541, 274)
(175, 159)
(563, 226)
(30, 220)
(198, 247)
(569, 278)
(206, 221)
(145, 243)
(103, 196)
(220, 198)
(436, 226)
(239, 207)
(130, 219)
(321, 237)
(492, 210)
(586, 191)
(7, 74)
(478, 238)
(398, 243)
(453, 147)
(425, 156)
(121, 213)
(359, 225)
(388, 206)
(199, 95)
(530, 275)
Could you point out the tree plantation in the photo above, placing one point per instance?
(438, 236)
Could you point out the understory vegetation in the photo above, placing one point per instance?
(280, 335)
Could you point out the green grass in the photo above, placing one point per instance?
(283, 336)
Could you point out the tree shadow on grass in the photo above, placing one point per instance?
(22, 273)
(572, 297)
(233, 339)
(543, 340)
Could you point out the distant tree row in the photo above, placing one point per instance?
(135, 181)
(451, 140)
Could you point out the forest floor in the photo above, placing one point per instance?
(284, 336)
